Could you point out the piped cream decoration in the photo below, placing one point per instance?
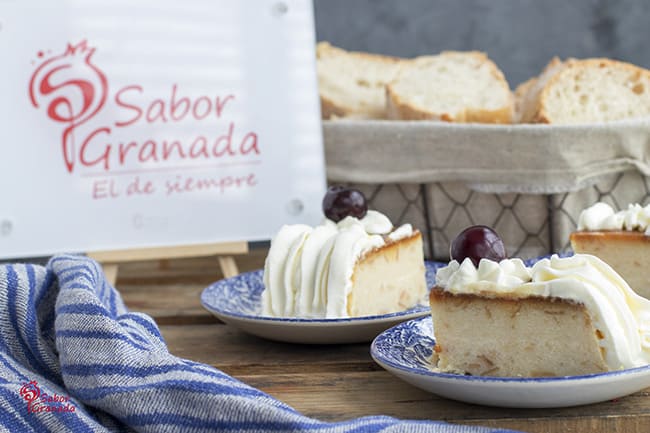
(622, 316)
(602, 217)
(308, 271)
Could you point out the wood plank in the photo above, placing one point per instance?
(333, 396)
(235, 352)
(338, 382)
(195, 269)
(169, 290)
(330, 382)
(110, 271)
(178, 251)
(169, 303)
(228, 266)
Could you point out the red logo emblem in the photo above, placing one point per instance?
(30, 391)
(43, 402)
(72, 89)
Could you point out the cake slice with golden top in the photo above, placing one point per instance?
(353, 264)
(621, 239)
(560, 317)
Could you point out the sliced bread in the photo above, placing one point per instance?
(452, 86)
(352, 84)
(584, 91)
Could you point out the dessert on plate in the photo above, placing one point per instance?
(353, 264)
(621, 239)
(560, 317)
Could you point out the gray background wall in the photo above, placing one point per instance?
(519, 35)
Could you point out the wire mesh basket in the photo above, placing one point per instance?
(528, 182)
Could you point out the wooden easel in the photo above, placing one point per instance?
(111, 260)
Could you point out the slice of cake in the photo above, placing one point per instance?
(354, 264)
(352, 84)
(560, 317)
(621, 239)
(584, 91)
(453, 86)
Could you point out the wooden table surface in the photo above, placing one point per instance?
(330, 383)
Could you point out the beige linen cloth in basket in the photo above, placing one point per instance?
(563, 163)
(542, 159)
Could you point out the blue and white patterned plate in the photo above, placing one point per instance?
(405, 350)
(237, 301)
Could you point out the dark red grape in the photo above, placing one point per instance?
(341, 201)
(477, 242)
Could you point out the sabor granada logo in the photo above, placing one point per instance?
(38, 401)
(62, 74)
(73, 90)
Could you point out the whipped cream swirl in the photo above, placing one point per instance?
(308, 271)
(622, 316)
(602, 216)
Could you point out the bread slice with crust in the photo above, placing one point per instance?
(352, 84)
(527, 93)
(453, 86)
(584, 91)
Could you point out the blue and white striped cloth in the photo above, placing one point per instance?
(74, 359)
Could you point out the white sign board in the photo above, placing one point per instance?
(155, 123)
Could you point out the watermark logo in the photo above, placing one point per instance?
(38, 401)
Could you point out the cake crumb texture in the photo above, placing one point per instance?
(530, 337)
